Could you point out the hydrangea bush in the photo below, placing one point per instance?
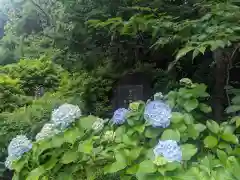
(166, 138)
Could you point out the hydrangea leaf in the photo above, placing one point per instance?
(190, 105)
(147, 166)
(210, 141)
(69, 156)
(188, 151)
(36, 173)
(230, 138)
(213, 127)
(72, 135)
(170, 134)
(177, 117)
(87, 122)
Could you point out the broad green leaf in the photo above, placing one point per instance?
(86, 146)
(147, 166)
(129, 140)
(230, 138)
(190, 105)
(188, 151)
(69, 156)
(233, 109)
(50, 163)
(192, 132)
(200, 127)
(205, 108)
(188, 119)
(72, 135)
(236, 100)
(222, 156)
(36, 173)
(210, 142)
(173, 166)
(133, 169)
(153, 132)
(183, 52)
(170, 134)
(120, 164)
(139, 128)
(213, 127)
(87, 122)
(18, 165)
(177, 117)
(57, 141)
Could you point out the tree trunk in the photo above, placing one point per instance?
(221, 58)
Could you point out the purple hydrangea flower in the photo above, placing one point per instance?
(65, 115)
(119, 116)
(169, 149)
(158, 113)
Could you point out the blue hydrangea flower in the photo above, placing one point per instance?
(65, 115)
(158, 114)
(119, 116)
(48, 130)
(169, 149)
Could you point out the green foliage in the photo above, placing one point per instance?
(27, 120)
(11, 97)
(35, 73)
(209, 150)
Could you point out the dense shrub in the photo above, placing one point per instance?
(34, 73)
(166, 138)
(11, 97)
(93, 90)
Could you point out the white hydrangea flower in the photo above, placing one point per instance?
(169, 149)
(9, 161)
(48, 130)
(18, 146)
(158, 114)
(109, 136)
(65, 115)
(98, 125)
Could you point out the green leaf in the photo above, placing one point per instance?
(18, 165)
(210, 142)
(147, 166)
(213, 127)
(71, 135)
(222, 156)
(230, 138)
(233, 109)
(188, 151)
(183, 52)
(120, 164)
(177, 117)
(153, 132)
(36, 173)
(170, 134)
(139, 128)
(200, 127)
(86, 147)
(190, 105)
(236, 100)
(188, 119)
(87, 122)
(133, 169)
(195, 53)
(205, 108)
(69, 156)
